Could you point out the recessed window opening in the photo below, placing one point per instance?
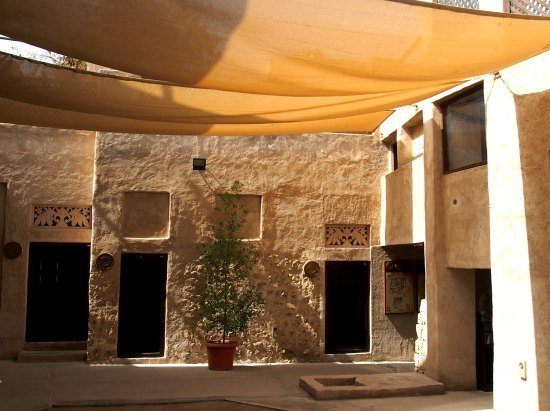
(391, 143)
(464, 131)
(394, 155)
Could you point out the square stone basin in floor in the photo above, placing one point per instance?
(337, 387)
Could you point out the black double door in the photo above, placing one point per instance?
(57, 293)
(347, 297)
(142, 305)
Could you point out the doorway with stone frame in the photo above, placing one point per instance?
(57, 292)
(347, 306)
(142, 305)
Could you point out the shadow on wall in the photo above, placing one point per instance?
(102, 331)
(288, 329)
(293, 307)
(185, 338)
(533, 125)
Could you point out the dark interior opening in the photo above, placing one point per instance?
(57, 292)
(484, 331)
(347, 306)
(395, 160)
(142, 300)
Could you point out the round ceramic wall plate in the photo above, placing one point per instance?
(104, 261)
(12, 250)
(311, 269)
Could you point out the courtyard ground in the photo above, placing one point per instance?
(77, 386)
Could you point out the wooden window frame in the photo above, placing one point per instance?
(442, 106)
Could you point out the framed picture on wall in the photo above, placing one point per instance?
(399, 287)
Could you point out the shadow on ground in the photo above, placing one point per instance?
(216, 405)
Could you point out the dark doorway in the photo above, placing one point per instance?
(142, 305)
(57, 293)
(484, 331)
(347, 296)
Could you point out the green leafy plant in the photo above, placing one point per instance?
(227, 298)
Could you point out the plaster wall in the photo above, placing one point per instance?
(306, 181)
(518, 172)
(40, 166)
(410, 141)
(450, 294)
(466, 205)
(403, 189)
(508, 210)
(403, 202)
(419, 206)
(395, 334)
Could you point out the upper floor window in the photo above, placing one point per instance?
(464, 131)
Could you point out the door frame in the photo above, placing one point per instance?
(26, 299)
(368, 306)
(164, 319)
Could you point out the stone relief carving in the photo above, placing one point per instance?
(347, 236)
(62, 217)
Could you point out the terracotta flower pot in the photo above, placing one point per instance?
(221, 354)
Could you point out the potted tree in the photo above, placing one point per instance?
(227, 298)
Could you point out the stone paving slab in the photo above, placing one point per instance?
(341, 387)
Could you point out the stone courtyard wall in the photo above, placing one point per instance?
(38, 166)
(146, 198)
(305, 182)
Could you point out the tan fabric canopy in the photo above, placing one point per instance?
(283, 47)
(248, 66)
(125, 98)
(22, 113)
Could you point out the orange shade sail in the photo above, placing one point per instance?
(129, 99)
(248, 66)
(283, 47)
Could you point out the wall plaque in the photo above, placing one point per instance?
(399, 287)
(311, 269)
(104, 261)
(12, 250)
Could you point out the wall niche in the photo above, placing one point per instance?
(146, 214)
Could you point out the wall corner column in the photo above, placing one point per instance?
(450, 294)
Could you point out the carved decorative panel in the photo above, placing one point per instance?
(346, 235)
(62, 217)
